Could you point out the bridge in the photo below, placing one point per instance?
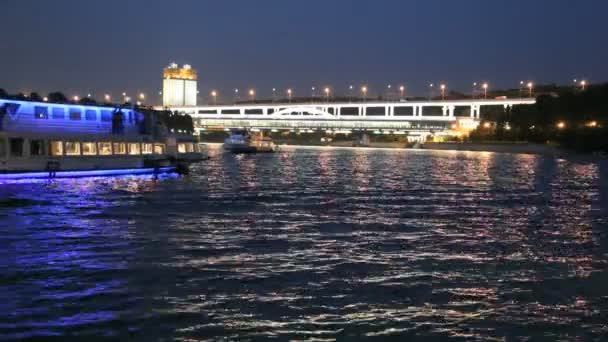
(415, 118)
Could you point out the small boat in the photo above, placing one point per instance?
(241, 141)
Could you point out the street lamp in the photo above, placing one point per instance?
(388, 91)
(474, 87)
(252, 94)
(530, 86)
(561, 125)
(485, 90)
(443, 91)
(431, 90)
(76, 98)
(214, 95)
(326, 90)
(364, 91)
(583, 84)
(521, 88)
(274, 90)
(313, 92)
(142, 96)
(107, 97)
(350, 93)
(289, 94)
(401, 91)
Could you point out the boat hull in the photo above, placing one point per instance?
(15, 175)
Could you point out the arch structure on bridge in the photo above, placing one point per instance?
(410, 115)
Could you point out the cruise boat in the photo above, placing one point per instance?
(41, 139)
(242, 141)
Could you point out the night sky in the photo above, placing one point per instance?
(114, 46)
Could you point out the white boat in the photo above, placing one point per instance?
(241, 141)
(40, 139)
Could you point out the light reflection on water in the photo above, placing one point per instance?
(313, 244)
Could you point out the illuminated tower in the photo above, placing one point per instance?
(179, 86)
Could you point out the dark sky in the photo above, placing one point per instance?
(79, 46)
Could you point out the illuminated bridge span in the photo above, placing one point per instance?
(410, 116)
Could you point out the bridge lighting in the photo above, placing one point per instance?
(443, 91)
(76, 98)
(289, 92)
(401, 90)
(214, 95)
(561, 125)
(252, 94)
(45, 99)
(485, 90)
(142, 96)
(530, 86)
(107, 97)
(364, 91)
(326, 90)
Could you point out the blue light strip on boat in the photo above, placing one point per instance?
(90, 173)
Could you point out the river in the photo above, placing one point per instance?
(313, 244)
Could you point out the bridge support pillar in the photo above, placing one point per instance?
(451, 110)
(445, 110)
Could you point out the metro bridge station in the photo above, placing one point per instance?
(413, 118)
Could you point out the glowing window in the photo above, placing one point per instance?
(159, 148)
(134, 148)
(120, 148)
(37, 148)
(146, 148)
(56, 148)
(72, 148)
(104, 148)
(89, 148)
(181, 148)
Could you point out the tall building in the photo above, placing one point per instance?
(179, 86)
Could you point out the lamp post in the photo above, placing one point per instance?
(252, 94)
(530, 86)
(401, 92)
(485, 90)
(388, 91)
(214, 96)
(289, 92)
(312, 92)
(443, 91)
(350, 93)
(326, 90)
(431, 91)
(106, 97)
(236, 94)
(521, 88)
(274, 90)
(364, 91)
(583, 84)
(473, 91)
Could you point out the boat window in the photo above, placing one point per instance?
(58, 113)
(75, 114)
(105, 148)
(56, 148)
(159, 148)
(16, 147)
(72, 148)
(41, 112)
(120, 148)
(37, 148)
(89, 148)
(133, 148)
(2, 148)
(146, 148)
(106, 115)
(90, 115)
(181, 148)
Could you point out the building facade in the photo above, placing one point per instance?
(179, 86)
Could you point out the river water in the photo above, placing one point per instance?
(313, 244)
